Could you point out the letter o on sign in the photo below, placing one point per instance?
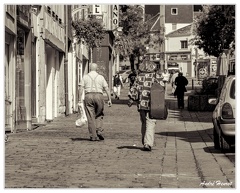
(115, 21)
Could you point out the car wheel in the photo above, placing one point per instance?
(216, 140)
(224, 144)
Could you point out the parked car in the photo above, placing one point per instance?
(125, 74)
(223, 117)
(209, 85)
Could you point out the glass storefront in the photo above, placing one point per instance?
(20, 104)
(7, 82)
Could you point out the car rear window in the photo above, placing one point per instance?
(232, 91)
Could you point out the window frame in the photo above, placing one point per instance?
(174, 9)
(184, 44)
(232, 90)
(174, 26)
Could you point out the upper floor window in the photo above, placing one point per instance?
(174, 11)
(174, 26)
(184, 44)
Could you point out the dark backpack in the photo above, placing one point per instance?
(116, 80)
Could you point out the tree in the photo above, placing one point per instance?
(215, 29)
(135, 36)
(90, 30)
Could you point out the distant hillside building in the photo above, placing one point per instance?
(174, 23)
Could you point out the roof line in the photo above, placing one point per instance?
(179, 29)
(154, 23)
(153, 17)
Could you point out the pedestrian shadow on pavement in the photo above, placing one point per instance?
(211, 149)
(190, 136)
(130, 147)
(79, 139)
(120, 101)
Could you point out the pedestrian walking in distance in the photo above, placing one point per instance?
(93, 85)
(172, 81)
(181, 82)
(132, 76)
(140, 92)
(117, 84)
(166, 77)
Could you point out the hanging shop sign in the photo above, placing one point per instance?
(115, 16)
(97, 10)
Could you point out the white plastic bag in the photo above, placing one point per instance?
(83, 118)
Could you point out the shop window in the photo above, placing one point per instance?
(184, 57)
(20, 71)
(173, 57)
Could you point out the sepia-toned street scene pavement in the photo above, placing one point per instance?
(60, 155)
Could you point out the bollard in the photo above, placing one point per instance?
(192, 84)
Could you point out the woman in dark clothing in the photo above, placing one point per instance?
(180, 82)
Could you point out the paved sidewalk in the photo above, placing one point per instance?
(59, 155)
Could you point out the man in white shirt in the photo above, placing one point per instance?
(93, 84)
(166, 77)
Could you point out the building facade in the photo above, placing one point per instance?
(177, 16)
(10, 66)
(78, 57)
(18, 45)
(49, 82)
(37, 41)
(104, 55)
(178, 51)
(174, 25)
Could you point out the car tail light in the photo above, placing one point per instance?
(227, 112)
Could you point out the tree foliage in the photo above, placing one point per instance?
(91, 30)
(215, 29)
(135, 36)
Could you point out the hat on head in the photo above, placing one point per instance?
(147, 66)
